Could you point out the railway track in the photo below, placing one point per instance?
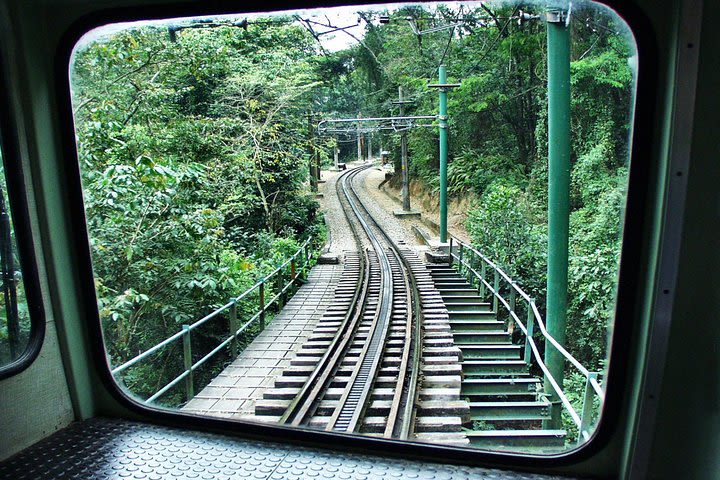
(360, 370)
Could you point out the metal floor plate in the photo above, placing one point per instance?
(117, 449)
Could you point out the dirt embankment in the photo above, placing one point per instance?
(428, 204)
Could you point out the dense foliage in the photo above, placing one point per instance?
(194, 154)
(498, 140)
(14, 314)
(498, 130)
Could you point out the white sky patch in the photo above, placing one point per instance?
(335, 16)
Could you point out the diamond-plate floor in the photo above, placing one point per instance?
(117, 449)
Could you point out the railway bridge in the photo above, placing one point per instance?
(380, 337)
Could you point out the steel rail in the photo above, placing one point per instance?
(401, 399)
(306, 400)
(348, 412)
(407, 418)
(347, 415)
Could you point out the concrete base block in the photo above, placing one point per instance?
(443, 247)
(328, 259)
(404, 214)
(437, 257)
(422, 235)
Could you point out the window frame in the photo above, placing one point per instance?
(625, 338)
(18, 206)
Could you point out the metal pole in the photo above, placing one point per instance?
(483, 271)
(513, 298)
(530, 330)
(336, 155)
(443, 153)
(311, 160)
(587, 408)
(460, 258)
(558, 48)
(496, 287)
(187, 358)
(404, 155)
(234, 327)
(359, 140)
(318, 168)
(281, 287)
(369, 137)
(262, 305)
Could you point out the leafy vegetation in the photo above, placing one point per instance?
(498, 141)
(14, 314)
(191, 155)
(194, 155)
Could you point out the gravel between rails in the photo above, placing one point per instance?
(341, 236)
(382, 208)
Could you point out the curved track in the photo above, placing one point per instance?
(366, 380)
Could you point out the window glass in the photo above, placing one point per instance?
(239, 172)
(15, 325)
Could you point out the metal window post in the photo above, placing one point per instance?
(187, 359)
(587, 408)
(558, 54)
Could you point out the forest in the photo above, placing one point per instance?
(194, 146)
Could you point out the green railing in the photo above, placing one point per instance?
(475, 267)
(283, 278)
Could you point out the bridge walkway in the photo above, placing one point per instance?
(233, 393)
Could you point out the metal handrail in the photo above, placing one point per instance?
(232, 306)
(534, 317)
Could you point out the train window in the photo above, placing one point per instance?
(400, 221)
(21, 333)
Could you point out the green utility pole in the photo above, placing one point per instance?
(443, 154)
(558, 54)
(443, 87)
